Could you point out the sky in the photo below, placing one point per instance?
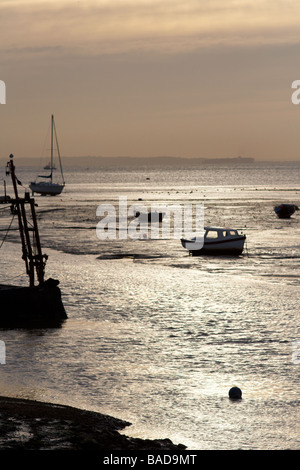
(147, 78)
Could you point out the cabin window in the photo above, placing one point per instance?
(232, 232)
(211, 234)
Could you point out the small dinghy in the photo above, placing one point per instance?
(284, 211)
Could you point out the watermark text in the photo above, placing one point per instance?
(2, 353)
(296, 94)
(2, 92)
(296, 352)
(136, 222)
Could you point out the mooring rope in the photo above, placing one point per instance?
(7, 231)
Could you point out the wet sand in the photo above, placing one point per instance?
(32, 425)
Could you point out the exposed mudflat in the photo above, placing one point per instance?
(32, 425)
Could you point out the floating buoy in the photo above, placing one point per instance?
(235, 392)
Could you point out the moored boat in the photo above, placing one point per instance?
(285, 211)
(150, 216)
(216, 241)
(46, 188)
(49, 187)
(49, 167)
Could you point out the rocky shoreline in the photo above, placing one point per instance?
(33, 425)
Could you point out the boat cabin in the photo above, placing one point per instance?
(213, 233)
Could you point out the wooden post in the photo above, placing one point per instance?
(31, 261)
(11, 168)
(39, 257)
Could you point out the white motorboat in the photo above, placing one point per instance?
(216, 241)
(48, 187)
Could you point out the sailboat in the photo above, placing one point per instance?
(48, 187)
(48, 166)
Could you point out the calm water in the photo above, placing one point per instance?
(155, 336)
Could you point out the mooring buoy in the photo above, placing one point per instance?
(235, 392)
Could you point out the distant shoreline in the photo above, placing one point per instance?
(127, 161)
(150, 162)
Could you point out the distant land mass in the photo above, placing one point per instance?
(164, 161)
(117, 162)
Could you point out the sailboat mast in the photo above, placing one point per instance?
(58, 151)
(51, 146)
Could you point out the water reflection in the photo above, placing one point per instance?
(157, 338)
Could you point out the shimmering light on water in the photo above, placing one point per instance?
(157, 337)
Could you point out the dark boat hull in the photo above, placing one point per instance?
(209, 251)
(31, 306)
(227, 247)
(46, 189)
(285, 211)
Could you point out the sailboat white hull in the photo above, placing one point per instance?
(46, 188)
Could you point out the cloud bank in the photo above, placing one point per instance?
(118, 26)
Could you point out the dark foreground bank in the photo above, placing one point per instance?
(32, 425)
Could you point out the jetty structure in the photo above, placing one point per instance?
(40, 303)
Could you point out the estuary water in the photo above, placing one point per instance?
(157, 337)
